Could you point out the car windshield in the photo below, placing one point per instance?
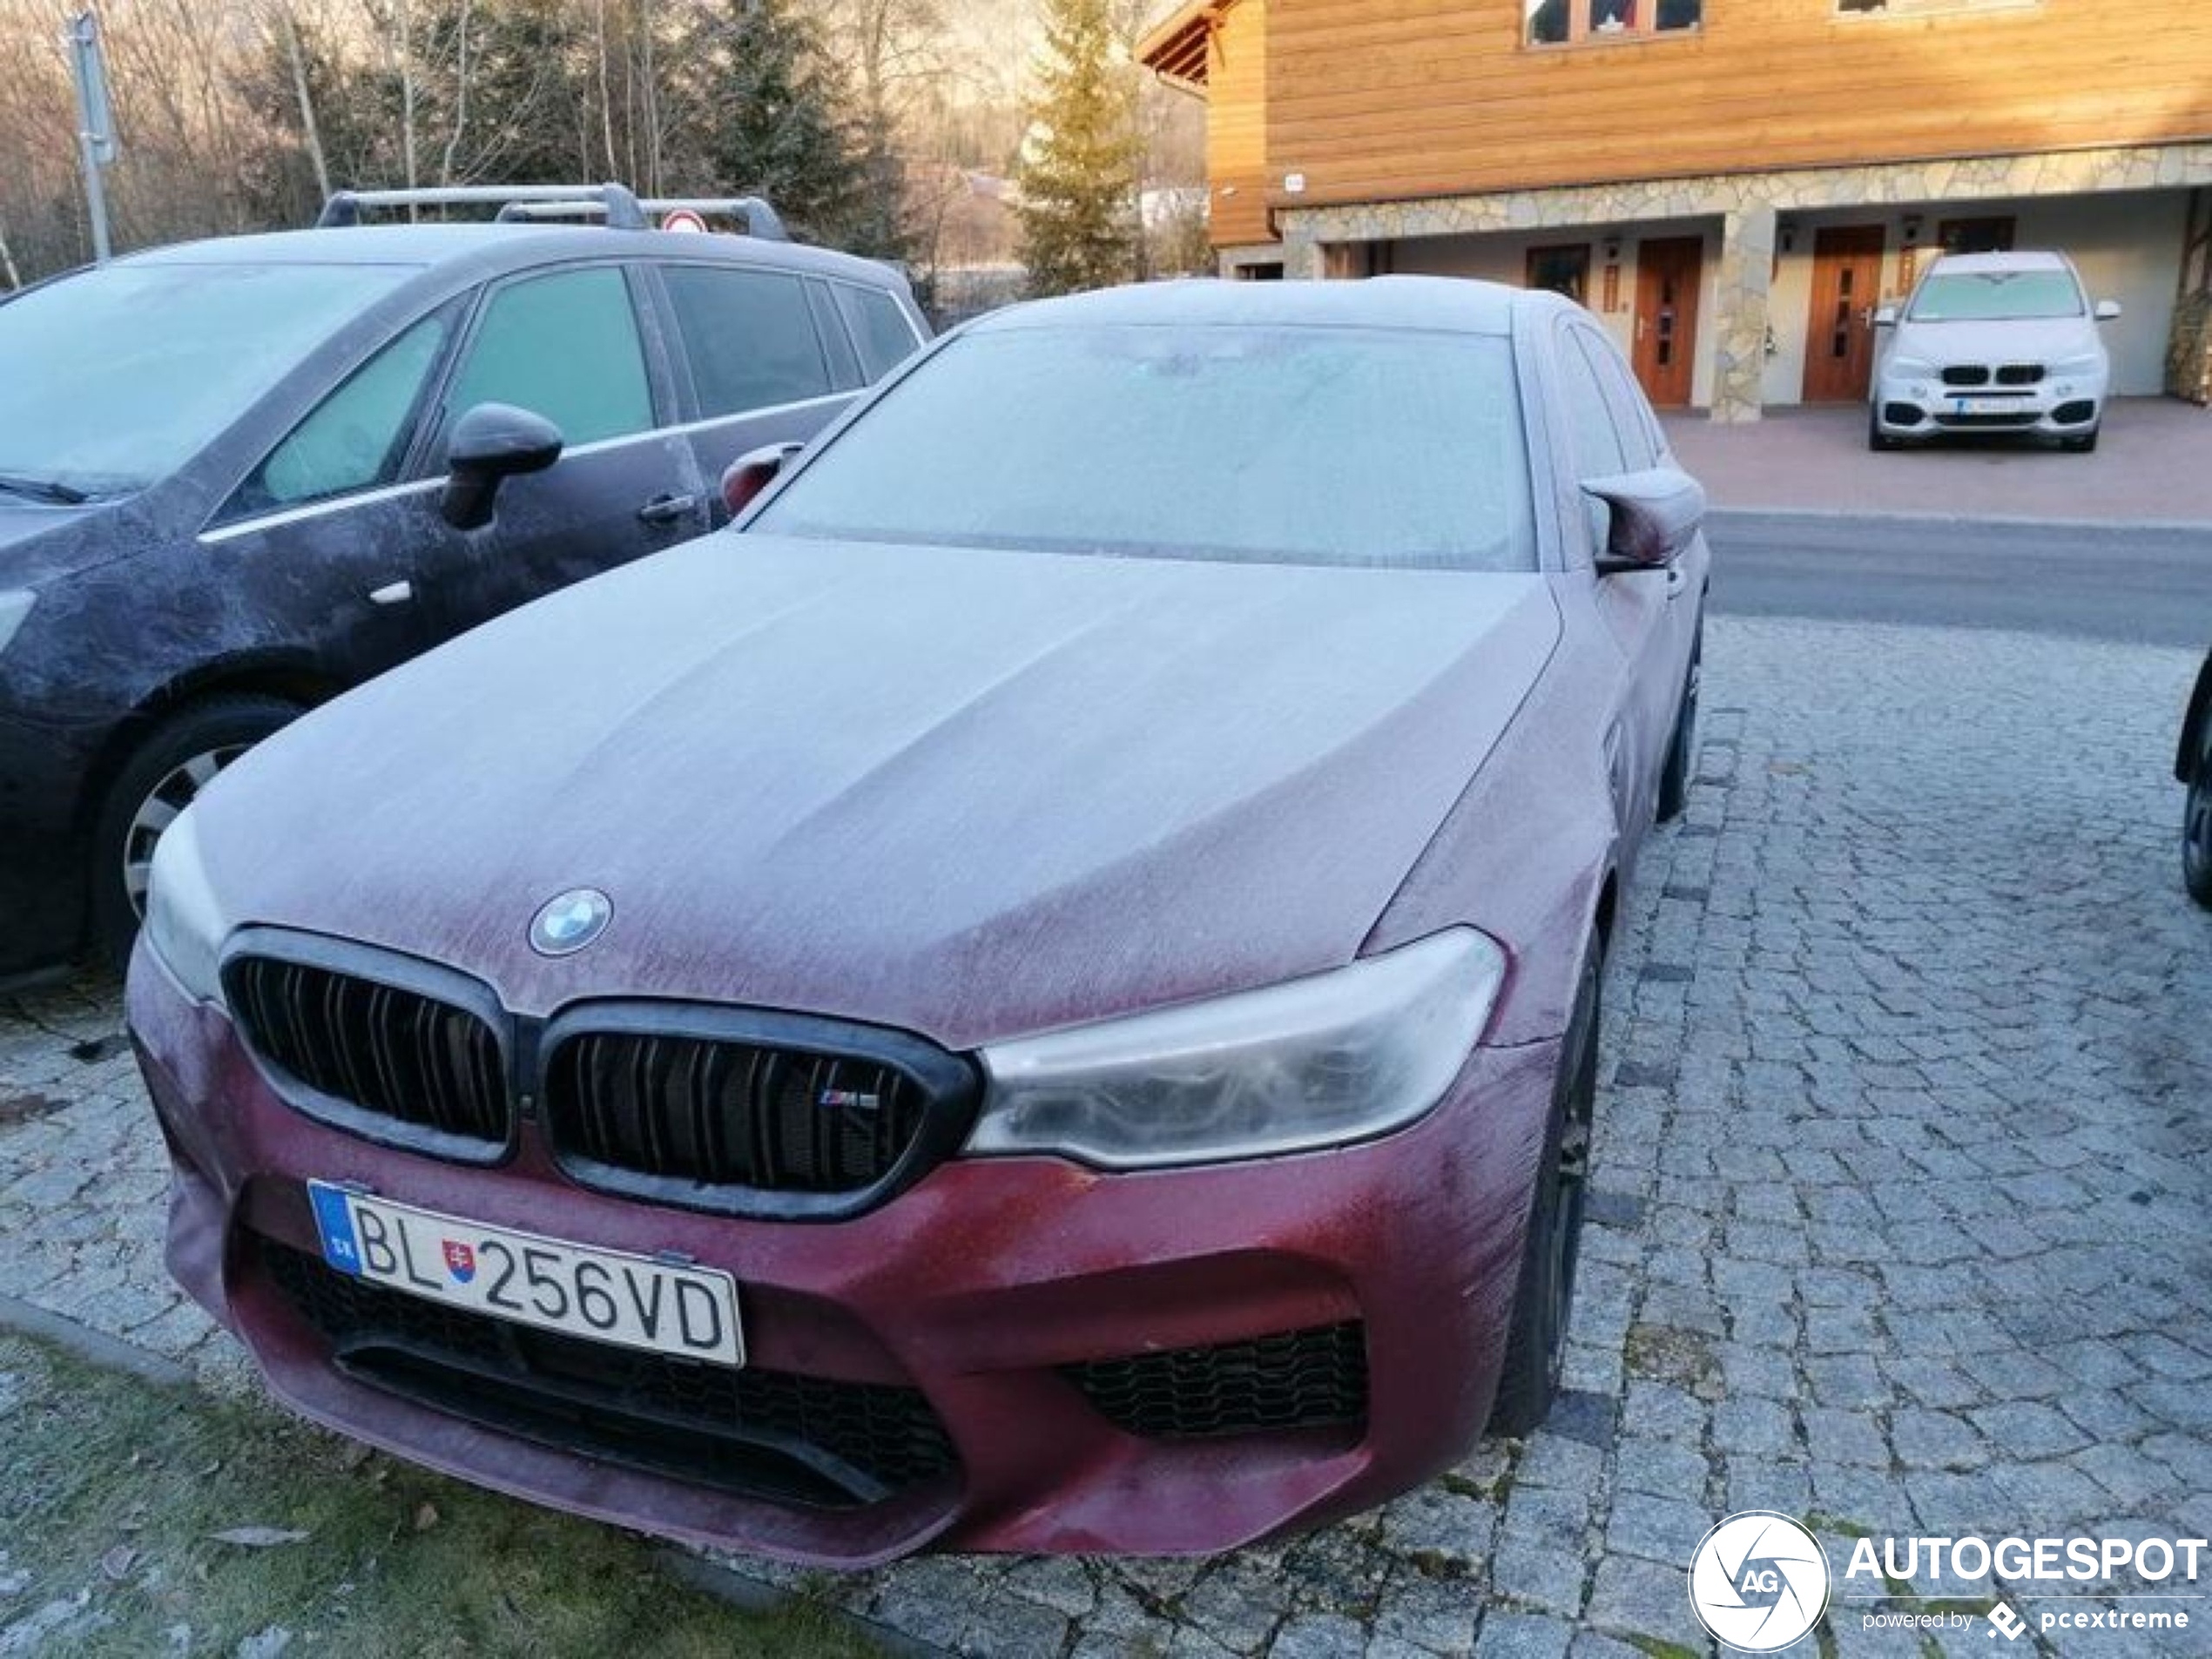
(1997, 296)
(112, 378)
(1260, 445)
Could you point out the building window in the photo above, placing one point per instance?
(1923, 8)
(1558, 23)
(1564, 269)
(1975, 235)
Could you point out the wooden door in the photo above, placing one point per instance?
(1668, 273)
(1839, 333)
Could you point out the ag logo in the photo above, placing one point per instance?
(1758, 1581)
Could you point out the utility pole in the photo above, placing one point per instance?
(95, 122)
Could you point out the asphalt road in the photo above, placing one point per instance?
(2141, 585)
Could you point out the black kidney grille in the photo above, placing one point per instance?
(1965, 374)
(2018, 374)
(1311, 1378)
(729, 1114)
(396, 1054)
(772, 1433)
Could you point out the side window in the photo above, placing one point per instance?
(749, 335)
(886, 338)
(1592, 444)
(1632, 424)
(564, 347)
(845, 368)
(357, 437)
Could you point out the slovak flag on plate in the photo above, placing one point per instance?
(461, 1261)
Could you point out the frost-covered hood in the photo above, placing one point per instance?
(2047, 340)
(969, 793)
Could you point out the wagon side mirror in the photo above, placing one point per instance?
(2108, 311)
(1653, 516)
(1886, 316)
(491, 444)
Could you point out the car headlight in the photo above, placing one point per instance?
(1909, 368)
(15, 605)
(2075, 367)
(184, 924)
(1339, 1056)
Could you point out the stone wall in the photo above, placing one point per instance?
(2188, 360)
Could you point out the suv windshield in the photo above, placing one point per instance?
(112, 378)
(1997, 296)
(1313, 446)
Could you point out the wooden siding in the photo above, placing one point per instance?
(1236, 126)
(1387, 99)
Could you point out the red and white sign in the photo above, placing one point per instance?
(682, 219)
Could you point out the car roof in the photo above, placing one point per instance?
(1454, 305)
(487, 247)
(1988, 264)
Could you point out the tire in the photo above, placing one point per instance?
(1681, 750)
(2084, 445)
(1536, 1342)
(1878, 440)
(2196, 824)
(161, 777)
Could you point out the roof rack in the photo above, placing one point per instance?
(616, 201)
(753, 212)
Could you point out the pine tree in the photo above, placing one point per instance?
(769, 109)
(1078, 169)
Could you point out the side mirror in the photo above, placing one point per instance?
(490, 444)
(752, 472)
(1655, 515)
(2108, 311)
(1886, 316)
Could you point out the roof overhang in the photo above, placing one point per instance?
(1176, 49)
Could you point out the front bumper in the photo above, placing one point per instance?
(43, 892)
(1923, 406)
(982, 1287)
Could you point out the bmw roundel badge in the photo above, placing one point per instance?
(568, 921)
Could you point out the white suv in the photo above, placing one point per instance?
(1993, 342)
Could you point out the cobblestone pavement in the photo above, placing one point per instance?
(1900, 1223)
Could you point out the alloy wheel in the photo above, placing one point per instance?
(1570, 1179)
(2196, 824)
(177, 790)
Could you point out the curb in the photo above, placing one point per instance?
(726, 1584)
(94, 1347)
(1849, 515)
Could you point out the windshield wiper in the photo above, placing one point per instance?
(51, 490)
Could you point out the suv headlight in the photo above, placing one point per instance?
(1909, 368)
(15, 605)
(1339, 1056)
(184, 924)
(2075, 368)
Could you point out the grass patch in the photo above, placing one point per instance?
(116, 1487)
(1659, 1647)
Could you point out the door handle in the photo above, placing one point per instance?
(666, 510)
(392, 593)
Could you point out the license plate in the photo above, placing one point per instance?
(602, 1295)
(1987, 405)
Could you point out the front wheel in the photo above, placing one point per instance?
(2196, 825)
(1878, 440)
(2086, 444)
(1536, 1344)
(162, 778)
(1681, 750)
